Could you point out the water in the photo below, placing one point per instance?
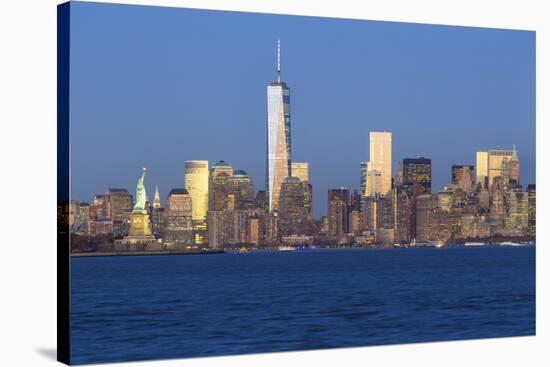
(156, 307)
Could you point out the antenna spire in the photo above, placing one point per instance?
(278, 60)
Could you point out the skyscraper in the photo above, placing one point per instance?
(510, 170)
(417, 170)
(374, 183)
(279, 158)
(293, 211)
(496, 163)
(380, 158)
(457, 172)
(482, 169)
(196, 184)
(156, 199)
(177, 222)
(338, 202)
(300, 170)
(217, 196)
(240, 190)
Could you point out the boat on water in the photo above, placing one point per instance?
(508, 243)
(475, 244)
(243, 250)
(415, 243)
(286, 248)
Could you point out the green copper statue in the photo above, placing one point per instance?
(141, 196)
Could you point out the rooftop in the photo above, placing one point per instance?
(178, 192)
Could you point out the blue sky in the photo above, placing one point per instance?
(156, 86)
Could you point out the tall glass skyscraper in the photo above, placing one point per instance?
(380, 161)
(196, 183)
(279, 158)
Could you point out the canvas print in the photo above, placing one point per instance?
(233, 183)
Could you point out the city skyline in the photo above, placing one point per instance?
(341, 166)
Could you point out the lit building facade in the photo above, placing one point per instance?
(240, 191)
(417, 171)
(482, 169)
(496, 163)
(278, 137)
(217, 193)
(380, 159)
(531, 209)
(177, 222)
(460, 171)
(300, 170)
(196, 184)
(293, 211)
(374, 182)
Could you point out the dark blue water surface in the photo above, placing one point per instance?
(151, 307)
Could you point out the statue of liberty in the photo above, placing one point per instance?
(141, 195)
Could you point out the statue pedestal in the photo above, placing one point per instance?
(140, 237)
(139, 224)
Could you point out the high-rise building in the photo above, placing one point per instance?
(84, 212)
(300, 170)
(260, 201)
(177, 222)
(458, 171)
(355, 221)
(417, 170)
(380, 160)
(156, 213)
(217, 193)
(240, 190)
(399, 174)
(338, 202)
(497, 163)
(374, 182)
(355, 201)
(496, 159)
(293, 212)
(278, 137)
(74, 208)
(196, 184)
(220, 227)
(363, 184)
(482, 169)
(517, 213)
(378, 213)
(531, 209)
(156, 199)
(510, 170)
(425, 205)
(404, 216)
(117, 206)
(221, 167)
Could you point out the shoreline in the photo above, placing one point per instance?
(235, 251)
(144, 253)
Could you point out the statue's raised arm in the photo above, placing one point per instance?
(140, 192)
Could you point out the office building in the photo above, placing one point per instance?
(380, 161)
(196, 184)
(300, 170)
(293, 211)
(240, 191)
(177, 218)
(338, 202)
(278, 137)
(417, 171)
(482, 169)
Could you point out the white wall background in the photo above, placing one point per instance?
(28, 183)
